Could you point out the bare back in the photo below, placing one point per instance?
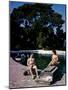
(54, 58)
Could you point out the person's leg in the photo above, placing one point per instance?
(30, 68)
(36, 71)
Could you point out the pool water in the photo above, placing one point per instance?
(42, 61)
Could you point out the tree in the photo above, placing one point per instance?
(38, 23)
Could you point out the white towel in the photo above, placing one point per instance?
(47, 78)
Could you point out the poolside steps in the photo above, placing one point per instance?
(49, 69)
(46, 76)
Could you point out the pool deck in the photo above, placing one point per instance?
(18, 80)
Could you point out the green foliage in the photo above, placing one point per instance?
(38, 31)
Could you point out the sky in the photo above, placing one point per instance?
(60, 8)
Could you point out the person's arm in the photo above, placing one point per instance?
(27, 62)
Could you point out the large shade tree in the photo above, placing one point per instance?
(32, 27)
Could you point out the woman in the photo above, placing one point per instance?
(54, 60)
(32, 67)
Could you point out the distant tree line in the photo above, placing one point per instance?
(36, 26)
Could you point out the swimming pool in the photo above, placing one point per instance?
(41, 59)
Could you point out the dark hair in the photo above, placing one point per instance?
(54, 51)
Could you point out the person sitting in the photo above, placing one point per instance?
(54, 60)
(32, 68)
